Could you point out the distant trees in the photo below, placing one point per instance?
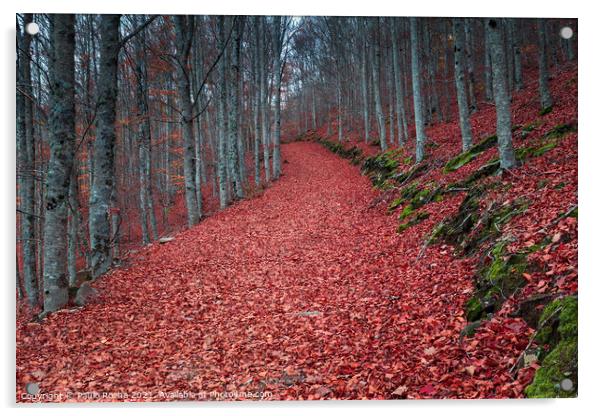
(411, 64)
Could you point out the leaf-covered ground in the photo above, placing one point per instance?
(300, 293)
(307, 291)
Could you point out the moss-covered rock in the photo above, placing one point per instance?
(546, 110)
(560, 130)
(381, 167)
(470, 154)
(353, 153)
(558, 329)
(415, 219)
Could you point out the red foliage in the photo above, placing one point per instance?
(306, 292)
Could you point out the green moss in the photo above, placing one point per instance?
(381, 167)
(558, 320)
(417, 219)
(573, 213)
(560, 130)
(558, 327)
(353, 153)
(470, 154)
(546, 110)
(559, 364)
(406, 212)
(474, 309)
(469, 330)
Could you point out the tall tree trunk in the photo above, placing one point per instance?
(364, 80)
(402, 128)
(516, 48)
(487, 71)
(61, 139)
(380, 118)
(144, 137)
(104, 148)
(544, 90)
(26, 165)
(495, 39)
(459, 71)
(257, 100)
(417, 91)
(265, 103)
(233, 109)
(222, 103)
(277, 44)
(184, 33)
(470, 64)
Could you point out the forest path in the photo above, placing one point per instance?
(303, 291)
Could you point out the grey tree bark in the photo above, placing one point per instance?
(402, 125)
(265, 103)
(26, 166)
(516, 47)
(277, 43)
(104, 148)
(224, 198)
(544, 90)
(61, 125)
(468, 43)
(459, 71)
(147, 214)
(376, 55)
(233, 109)
(364, 79)
(417, 91)
(184, 33)
(495, 39)
(257, 100)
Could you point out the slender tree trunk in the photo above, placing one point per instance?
(417, 91)
(459, 70)
(223, 96)
(61, 139)
(495, 39)
(233, 110)
(263, 87)
(257, 100)
(470, 64)
(278, 44)
(104, 148)
(402, 128)
(544, 90)
(184, 35)
(516, 48)
(364, 81)
(380, 118)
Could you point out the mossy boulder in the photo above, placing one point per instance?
(353, 153)
(470, 154)
(558, 329)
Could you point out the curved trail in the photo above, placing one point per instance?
(302, 292)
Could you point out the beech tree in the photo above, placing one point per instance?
(417, 91)
(459, 70)
(61, 125)
(501, 94)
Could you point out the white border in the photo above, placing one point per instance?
(590, 151)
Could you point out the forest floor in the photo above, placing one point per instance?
(307, 292)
